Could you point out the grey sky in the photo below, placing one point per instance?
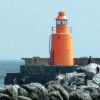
(25, 26)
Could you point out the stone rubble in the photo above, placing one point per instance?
(71, 86)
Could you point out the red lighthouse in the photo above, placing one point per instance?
(61, 52)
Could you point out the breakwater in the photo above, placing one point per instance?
(80, 85)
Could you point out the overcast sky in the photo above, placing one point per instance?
(25, 26)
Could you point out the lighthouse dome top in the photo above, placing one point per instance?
(61, 13)
(61, 16)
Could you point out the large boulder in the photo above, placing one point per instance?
(12, 91)
(22, 92)
(74, 78)
(96, 79)
(34, 96)
(27, 88)
(62, 91)
(65, 86)
(55, 95)
(23, 98)
(2, 90)
(16, 86)
(60, 77)
(53, 98)
(40, 90)
(5, 97)
(79, 95)
(40, 87)
(91, 70)
(50, 89)
(36, 88)
(94, 92)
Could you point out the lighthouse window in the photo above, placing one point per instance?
(66, 22)
(59, 22)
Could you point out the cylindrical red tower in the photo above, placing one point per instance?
(61, 52)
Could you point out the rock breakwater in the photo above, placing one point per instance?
(81, 85)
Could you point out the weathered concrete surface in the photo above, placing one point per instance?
(37, 61)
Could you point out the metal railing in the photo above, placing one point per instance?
(69, 30)
(49, 44)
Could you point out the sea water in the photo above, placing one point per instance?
(9, 66)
